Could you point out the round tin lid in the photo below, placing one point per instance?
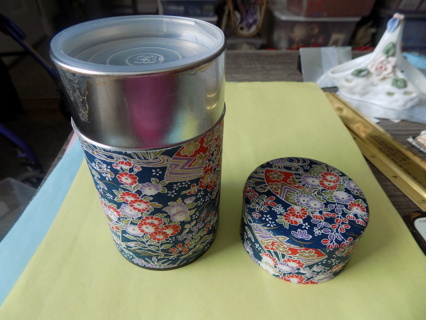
(307, 202)
(137, 45)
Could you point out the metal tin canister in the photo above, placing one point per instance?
(302, 219)
(142, 81)
(147, 103)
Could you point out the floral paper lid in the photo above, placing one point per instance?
(302, 219)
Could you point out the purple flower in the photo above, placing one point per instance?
(315, 204)
(280, 161)
(178, 212)
(286, 268)
(301, 234)
(303, 199)
(128, 211)
(342, 197)
(351, 185)
(311, 180)
(134, 230)
(150, 189)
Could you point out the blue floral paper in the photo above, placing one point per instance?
(162, 205)
(302, 219)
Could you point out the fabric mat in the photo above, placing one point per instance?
(77, 273)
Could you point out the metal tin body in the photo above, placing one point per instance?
(142, 81)
(162, 205)
(302, 219)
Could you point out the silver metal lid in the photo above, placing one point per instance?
(137, 45)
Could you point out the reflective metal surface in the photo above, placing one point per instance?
(142, 81)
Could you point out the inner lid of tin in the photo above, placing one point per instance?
(137, 44)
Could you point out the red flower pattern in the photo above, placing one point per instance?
(154, 220)
(298, 212)
(147, 227)
(317, 216)
(180, 248)
(294, 263)
(128, 196)
(159, 235)
(270, 202)
(330, 176)
(357, 208)
(292, 219)
(171, 229)
(127, 178)
(293, 278)
(329, 185)
(125, 164)
(139, 205)
(250, 193)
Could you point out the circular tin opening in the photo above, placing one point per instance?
(137, 45)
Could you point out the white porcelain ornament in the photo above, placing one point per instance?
(383, 84)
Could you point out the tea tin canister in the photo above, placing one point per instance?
(302, 219)
(146, 96)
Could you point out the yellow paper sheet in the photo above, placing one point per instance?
(77, 273)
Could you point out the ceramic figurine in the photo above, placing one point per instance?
(384, 84)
